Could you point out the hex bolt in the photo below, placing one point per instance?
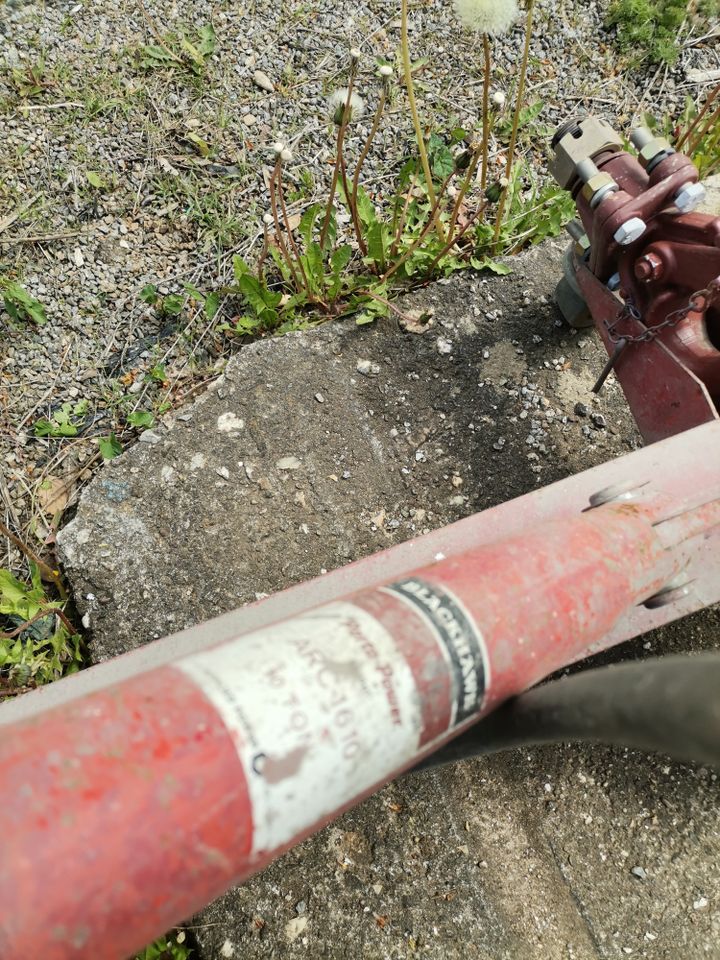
(675, 589)
(586, 169)
(649, 267)
(651, 148)
(641, 136)
(630, 231)
(616, 493)
(689, 196)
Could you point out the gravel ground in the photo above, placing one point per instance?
(165, 214)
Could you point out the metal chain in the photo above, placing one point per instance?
(700, 301)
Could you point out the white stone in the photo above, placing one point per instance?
(229, 423)
(294, 927)
(288, 463)
(263, 81)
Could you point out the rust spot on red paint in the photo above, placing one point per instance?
(91, 793)
(162, 750)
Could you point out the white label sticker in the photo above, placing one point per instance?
(320, 707)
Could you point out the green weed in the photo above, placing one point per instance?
(110, 447)
(697, 132)
(648, 29)
(169, 947)
(20, 305)
(38, 643)
(63, 422)
(30, 81)
(184, 51)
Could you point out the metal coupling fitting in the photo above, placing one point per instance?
(577, 141)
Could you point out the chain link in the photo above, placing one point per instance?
(700, 301)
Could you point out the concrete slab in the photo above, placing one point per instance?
(324, 446)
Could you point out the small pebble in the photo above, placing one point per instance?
(263, 81)
(288, 463)
(367, 368)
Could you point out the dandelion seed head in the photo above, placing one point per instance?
(355, 54)
(278, 147)
(286, 155)
(267, 219)
(487, 16)
(336, 105)
(385, 71)
(498, 98)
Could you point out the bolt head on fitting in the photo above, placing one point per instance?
(630, 231)
(649, 267)
(689, 196)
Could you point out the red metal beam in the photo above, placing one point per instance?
(134, 804)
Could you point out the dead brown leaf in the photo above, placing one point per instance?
(53, 495)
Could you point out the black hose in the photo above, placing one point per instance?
(670, 705)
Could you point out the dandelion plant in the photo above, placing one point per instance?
(419, 136)
(491, 18)
(343, 105)
(516, 120)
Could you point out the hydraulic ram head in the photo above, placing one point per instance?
(645, 269)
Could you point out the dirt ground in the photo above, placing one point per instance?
(562, 852)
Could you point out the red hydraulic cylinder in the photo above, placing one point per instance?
(133, 806)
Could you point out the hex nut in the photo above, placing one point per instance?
(652, 148)
(596, 183)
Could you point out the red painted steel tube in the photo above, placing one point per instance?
(133, 806)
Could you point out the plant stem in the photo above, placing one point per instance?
(486, 112)
(453, 240)
(361, 160)
(338, 159)
(706, 106)
(698, 138)
(263, 256)
(291, 238)
(23, 626)
(399, 225)
(465, 186)
(387, 303)
(68, 624)
(407, 68)
(357, 227)
(48, 574)
(42, 612)
(516, 121)
(278, 232)
(423, 233)
(158, 36)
